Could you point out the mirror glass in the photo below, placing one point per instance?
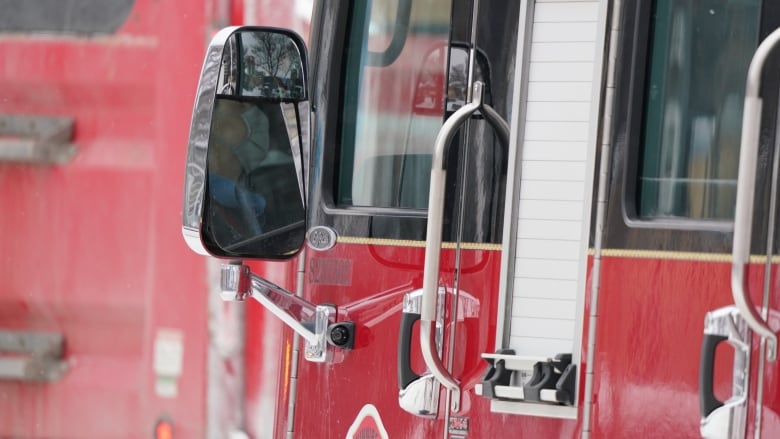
(253, 206)
(262, 64)
(431, 95)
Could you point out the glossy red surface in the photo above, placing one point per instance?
(92, 248)
(651, 314)
(331, 396)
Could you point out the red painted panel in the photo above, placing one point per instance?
(331, 396)
(92, 248)
(268, 348)
(651, 314)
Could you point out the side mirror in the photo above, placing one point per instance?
(244, 182)
(430, 96)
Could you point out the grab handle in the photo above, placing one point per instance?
(707, 400)
(405, 373)
(433, 245)
(746, 184)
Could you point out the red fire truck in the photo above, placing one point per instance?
(107, 327)
(550, 218)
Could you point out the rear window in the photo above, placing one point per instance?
(81, 17)
(699, 56)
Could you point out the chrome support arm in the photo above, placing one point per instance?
(433, 246)
(746, 184)
(310, 321)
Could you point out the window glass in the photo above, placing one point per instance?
(699, 55)
(381, 24)
(396, 66)
(265, 65)
(64, 16)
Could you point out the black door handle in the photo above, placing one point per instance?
(707, 400)
(405, 373)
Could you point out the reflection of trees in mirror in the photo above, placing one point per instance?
(253, 201)
(272, 66)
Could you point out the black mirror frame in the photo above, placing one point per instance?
(200, 128)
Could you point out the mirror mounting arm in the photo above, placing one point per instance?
(310, 321)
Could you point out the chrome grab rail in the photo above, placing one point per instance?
(746, 183)
(433, 246)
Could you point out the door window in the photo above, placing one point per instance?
(396, 66)
(698, 59)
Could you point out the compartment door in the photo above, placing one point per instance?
(533, 369)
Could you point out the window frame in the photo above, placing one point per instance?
(353, 66)
(635, 130)
(403, 225)
(326, 93)
(625, 228)
(327, 188)
(704, 42)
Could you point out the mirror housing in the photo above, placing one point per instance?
(244, 177)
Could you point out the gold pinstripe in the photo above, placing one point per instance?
(414, 243)
(609, 252)
(678, 256)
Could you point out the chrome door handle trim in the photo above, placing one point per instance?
(724, 419)
(418, 394)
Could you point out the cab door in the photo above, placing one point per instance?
(674, 248)
(386, 77)
(502, 347)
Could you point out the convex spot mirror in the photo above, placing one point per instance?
(432, 97)
(244, 182)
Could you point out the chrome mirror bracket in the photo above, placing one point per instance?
(315, 323)
(317, 351)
